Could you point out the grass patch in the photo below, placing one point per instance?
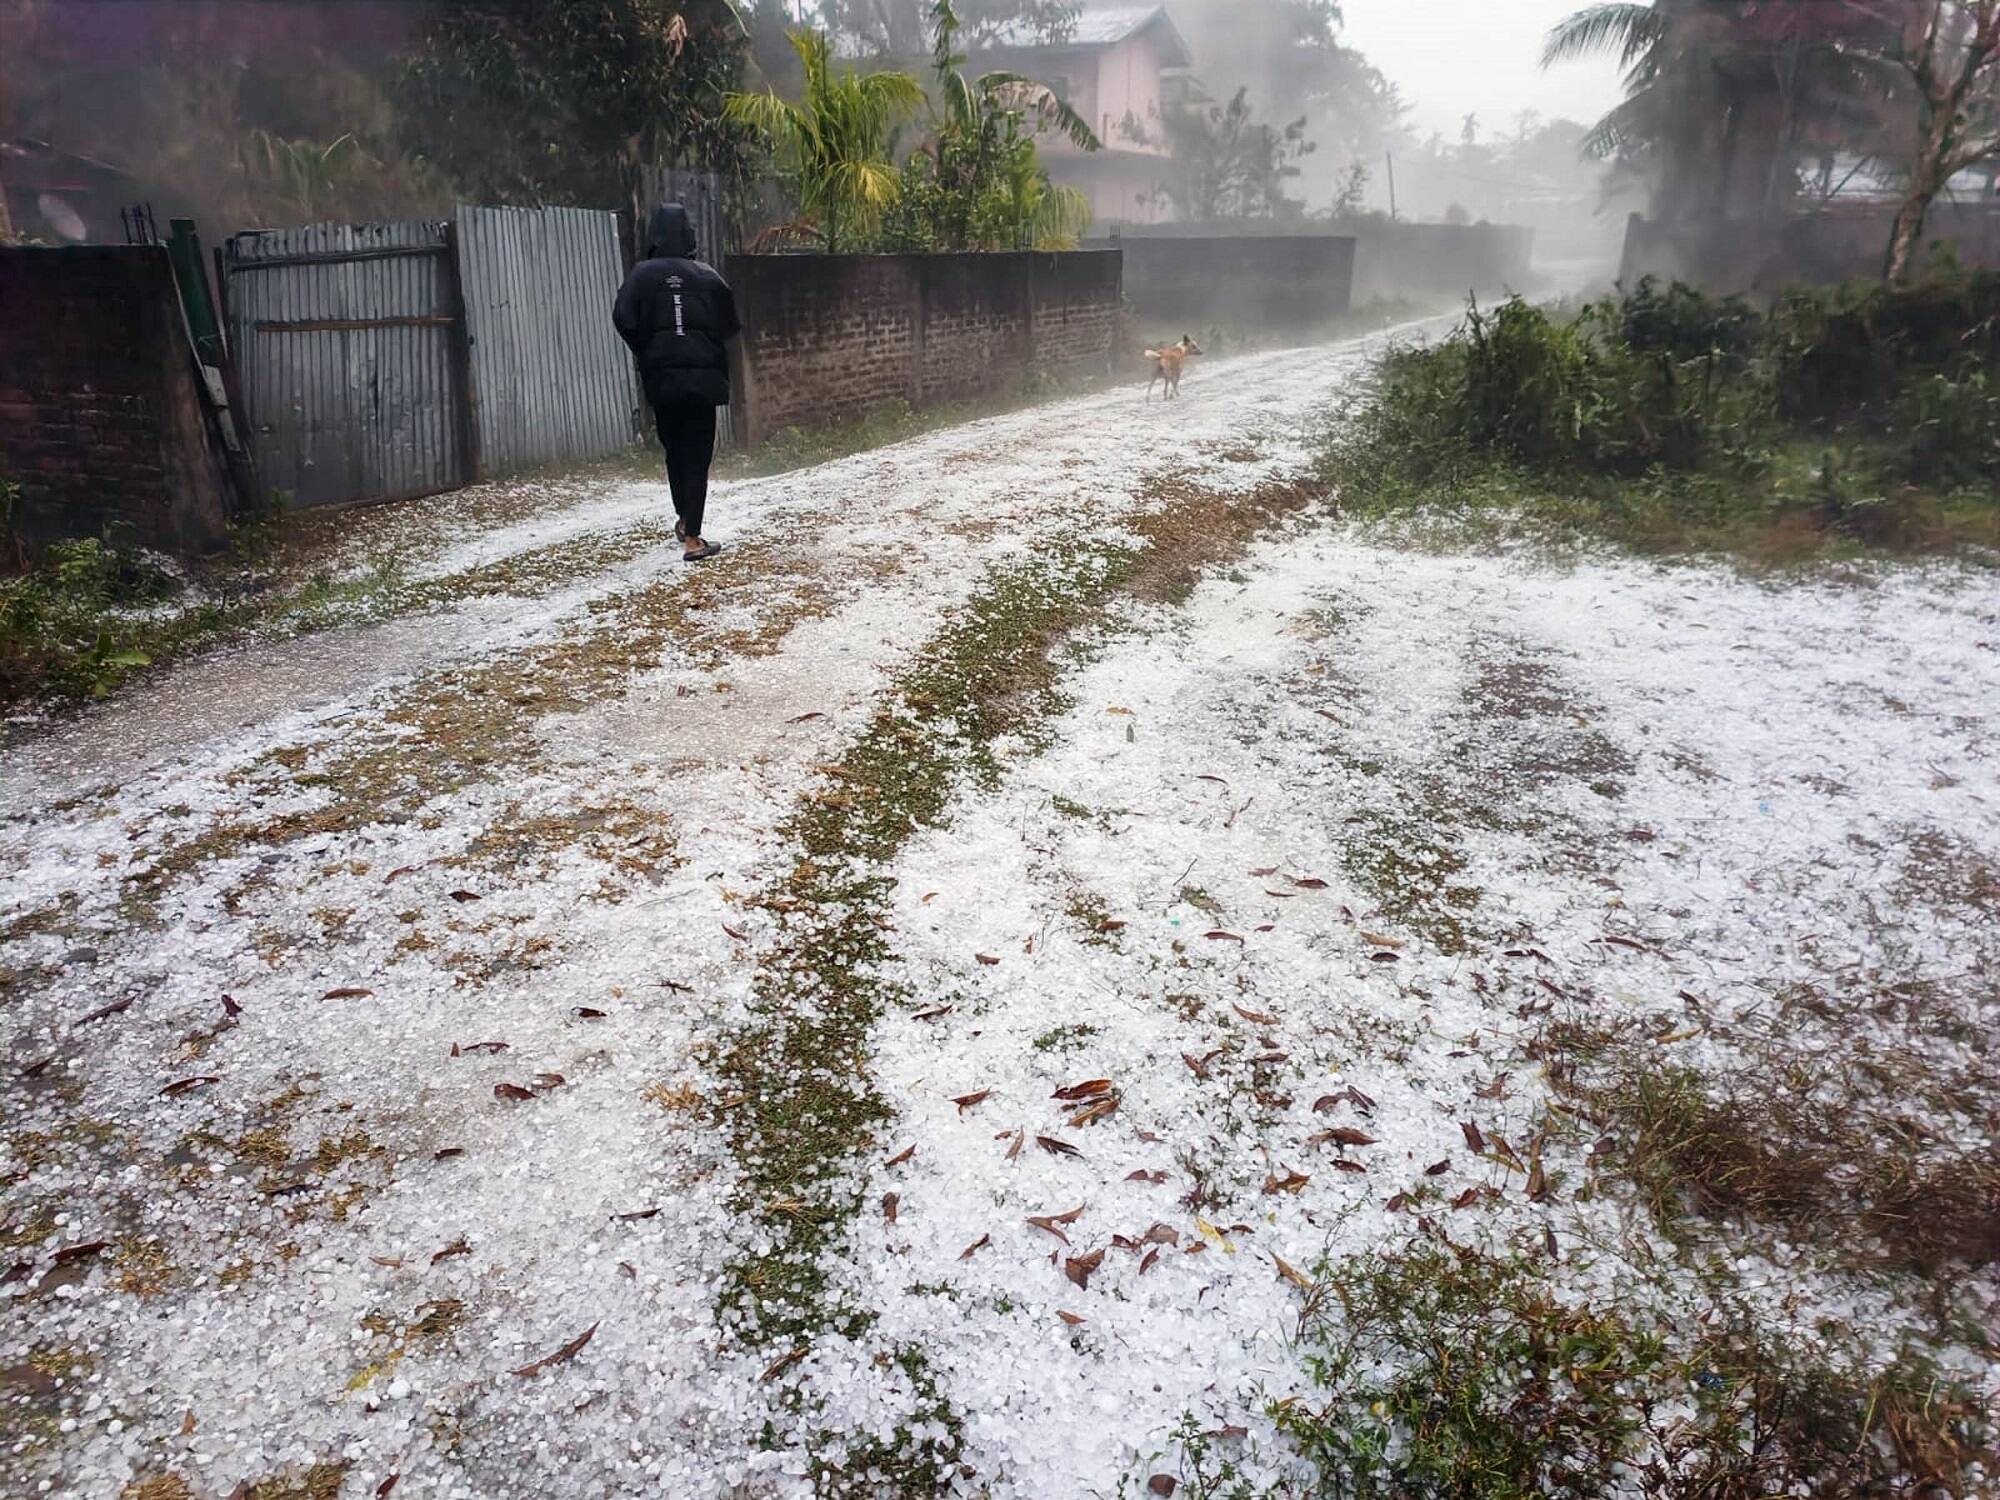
(1782, 1155)
(1841, 424)
(801, 1105)
(1440, 1373)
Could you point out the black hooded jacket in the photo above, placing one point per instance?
(676, 314)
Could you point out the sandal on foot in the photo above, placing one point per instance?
(708, 550)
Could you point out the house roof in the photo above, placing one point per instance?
(1107, 26)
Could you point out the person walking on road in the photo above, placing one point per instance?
(677, 316)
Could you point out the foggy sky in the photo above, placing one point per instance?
(1454, 57)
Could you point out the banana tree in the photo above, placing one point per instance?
(991, 186)
(835, 142)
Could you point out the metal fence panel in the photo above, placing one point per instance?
(346, 340)
(551, 380)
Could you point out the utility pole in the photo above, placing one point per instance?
(1390, 157)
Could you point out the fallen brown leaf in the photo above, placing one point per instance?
(1101, 1109)
(463, 896)
(988, 959)
(1162, 1484)
(1069, 1317)
(889, 1204)
(83, 1251)
(901, 1156)
(1155, 1178)
(567, 1353)
(966, 1101)
(1438, 1168)
(1474, 1141)
(347, 992)
(183, 1085)
(456, 1247)
(1253, 1015)
(1217, 935)
(977, 1245)
(1090, 1088)
(1078, 1268)
(1308, 883)
(1056, 1147)
(1292, 1273)
(1291, 1182)
(1347, 1135)
(1053, 1222)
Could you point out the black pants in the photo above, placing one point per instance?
(687, 432)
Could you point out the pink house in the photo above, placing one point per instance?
(1111, 71)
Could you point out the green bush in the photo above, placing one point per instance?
(1670, 419)
(1849, 354)
(74, 622)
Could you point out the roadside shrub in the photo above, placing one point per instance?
(1670, 420)
(1688, 324)
(74, 621)
(1951, 424)
(1847, 354)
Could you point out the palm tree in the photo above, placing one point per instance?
(837, 140)
(1709, 83)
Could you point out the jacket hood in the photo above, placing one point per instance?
(671, 233)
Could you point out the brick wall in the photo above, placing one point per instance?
(100, 423)
(826, 337)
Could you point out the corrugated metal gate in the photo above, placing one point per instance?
(347, 340)
(551, 380)
(388, 360)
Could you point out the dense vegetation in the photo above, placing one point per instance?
(1667, 420)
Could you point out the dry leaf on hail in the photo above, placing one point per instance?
(977, 1245)
(966, 1101)
(568, 1351)
(1100, 1109)
(1053, 1222)
(1056, 1147)
(1090, 1088)
(1078, 1268)
(1254, 1015)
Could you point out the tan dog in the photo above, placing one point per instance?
(1168, 363)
